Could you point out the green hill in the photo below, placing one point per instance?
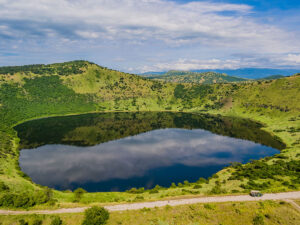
(77, 87)
(273, 77)
(194, 77)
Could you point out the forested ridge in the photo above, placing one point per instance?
(35, 91)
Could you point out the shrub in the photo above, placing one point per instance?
(215, 176)
(173, 185)
(258, 220)
(139, 198)
(202, 180)
(7, 200)
(3, 186)
(157, 187)
(23, 222)
(153, 191)
(190, 191)
(186, 183)
(209, 206)
(78, 194)
(197, 186)
(236, 165)
(17, 200)
(41, 197)
(56, 221)
(95, 216)
(217, 190)
(22, 201)
(136, 191)
(37, 222)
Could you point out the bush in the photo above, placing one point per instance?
(209, 206)
(22, 201)
(7, 200)
(95, 216)
(186, 183)
(23, 222)
(3, 186)
(173, 185)
(56, 221)
(37, 222)
(202, 180)
(78, 194)
(217, 190)
(258, 220)
(41, 197)
(136, 191)
(139, 198)
(17, 200)
(153, 191)
(197, 186)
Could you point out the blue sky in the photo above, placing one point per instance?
(152, 35)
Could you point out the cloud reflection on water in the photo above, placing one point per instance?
(134, 157)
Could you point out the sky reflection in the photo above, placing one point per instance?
(156, 157)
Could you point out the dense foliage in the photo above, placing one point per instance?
(259, 169)
(95, 216)
(75, 67)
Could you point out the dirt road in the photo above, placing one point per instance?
(140, 205)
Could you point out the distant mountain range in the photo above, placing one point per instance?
(249, 73)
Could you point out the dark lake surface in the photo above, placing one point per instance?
(118, 151)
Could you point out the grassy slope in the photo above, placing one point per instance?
(245, 213)
(194, 77)
(28, 95)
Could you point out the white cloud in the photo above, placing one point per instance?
(187, 64)
(114, 28)
(173, 23)
(293, 58)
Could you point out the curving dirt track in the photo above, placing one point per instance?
(134, 206)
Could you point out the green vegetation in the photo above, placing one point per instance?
(273, 77)
(194, 77)
(93, 129)
(80, 87)
(75, 67)
(95, 216)
(246, 213)
(78, 193)
(56, 221)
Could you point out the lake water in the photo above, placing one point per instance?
(118, 151)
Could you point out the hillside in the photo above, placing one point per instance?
(77, 87)
(193, 77)
(272, 77)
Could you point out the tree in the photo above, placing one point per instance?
(78, 194)
(95, 216)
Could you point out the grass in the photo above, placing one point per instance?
(271, 212)
(82, 87)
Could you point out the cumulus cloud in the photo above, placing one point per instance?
(192, 64)
(145, 23)
(171, 22)
(293, 58)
